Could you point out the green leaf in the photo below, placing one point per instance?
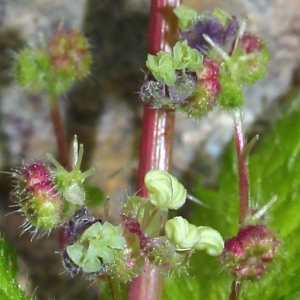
(9, 288)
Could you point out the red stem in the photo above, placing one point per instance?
(242, 167)
(156, 138)
(59, 133)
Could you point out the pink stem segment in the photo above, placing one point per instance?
(242, 167)
(156, 138)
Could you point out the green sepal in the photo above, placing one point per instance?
(75, 252)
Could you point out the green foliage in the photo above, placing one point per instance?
(9, 288)
(274, 170)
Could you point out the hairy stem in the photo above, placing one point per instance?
(115, 289)
(59, 133)
(242, 166)
(156, 138)
(242, 160)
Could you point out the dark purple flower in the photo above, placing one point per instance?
(212, 27)
(72, 230)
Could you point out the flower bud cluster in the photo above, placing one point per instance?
(39, 199)
(168, 244)
(52, 197)
(248, 254)
(54, 69)
(207, 67)
(47, 195)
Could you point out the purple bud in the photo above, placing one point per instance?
(211, 26)
(72, 230)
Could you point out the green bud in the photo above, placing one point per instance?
(162, 67)
(210, 240)
(183, 234)
(70, 184)
(199, 104)
(165, 191)
(231, 96)
(186, 16)
(253, 66)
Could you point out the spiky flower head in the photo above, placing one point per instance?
(248, 255)
(54, 69)
(69, 55)
(38, 197)
(252, 55)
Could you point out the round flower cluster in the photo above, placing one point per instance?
(54, 69)
(207, 67)
(247, 255)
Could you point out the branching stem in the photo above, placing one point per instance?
(59, 133)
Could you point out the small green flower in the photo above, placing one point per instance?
(162, 67)
(186, 58)
(97, 247)
(165, 191)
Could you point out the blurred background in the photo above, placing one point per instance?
(105, 111)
